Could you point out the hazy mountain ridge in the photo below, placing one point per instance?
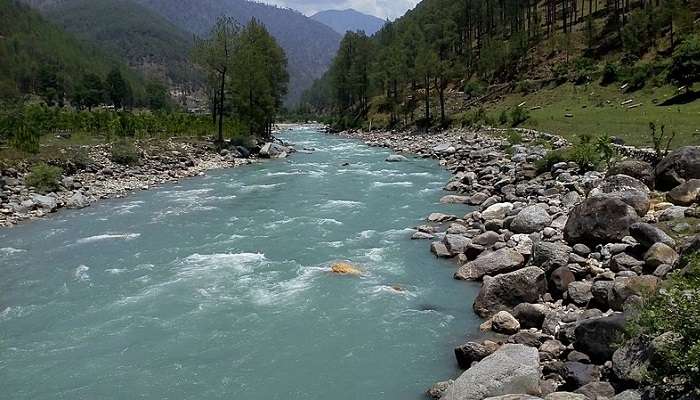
(129, 30)
(309, 45)
(349, 20)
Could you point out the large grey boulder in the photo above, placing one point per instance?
(77, 200)
(512, 369)
(628, 189)
(505, 291)
(470, 352)
(395, 158)
(660, 253)
(273, 150)
(631, 361)
(686, 193)
(641, 170)
(565, 396)
(514, 397)
(496, 211)
(679, 166)
(600, 220)
(599, 337)
(647, 235)
(531, 219)
(456, 243)
(491, 263)
(46, 203)
(550, 255)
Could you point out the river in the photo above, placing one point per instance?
(218, 287)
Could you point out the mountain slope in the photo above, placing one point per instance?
(134, 33)
(309, 45)
(349, 20)
(36, 56)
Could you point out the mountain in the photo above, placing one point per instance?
(130, 31)
(309, 45)
(37, 57)
(349, 20)
(147, 41)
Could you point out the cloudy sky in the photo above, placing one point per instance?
(381, 8)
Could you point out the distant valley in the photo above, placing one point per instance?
(349, 20)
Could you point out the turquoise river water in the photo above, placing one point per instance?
(218, 287)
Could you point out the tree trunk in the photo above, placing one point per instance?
(222, 94)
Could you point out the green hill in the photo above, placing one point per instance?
(37, 57)
(147, 41)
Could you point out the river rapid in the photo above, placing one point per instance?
(219, 287)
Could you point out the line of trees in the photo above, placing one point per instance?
(247, 75)
(443, 41)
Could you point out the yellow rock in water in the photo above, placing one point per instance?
(345, 269)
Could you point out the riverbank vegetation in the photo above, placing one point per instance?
(57, 91)
(574, 67)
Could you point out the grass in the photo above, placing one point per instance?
(596, 109)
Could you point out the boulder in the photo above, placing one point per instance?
(444, 148)
(672, 213)
(504, 322)
(77, 200)
(496, 211)
(505, 291)
(395, 158)
(679, 166)
(456, 243)
(659, 254)
(630, 362)
(438, 389)
(440, 217)
(628, 189)
(514, 397)
(512, 369)
(440, 250)
(273, 150)
(531, 219)
(599, 220)
(46, 203)
(453, 199)
(560, 280)
(686, 193)
(550, 255)
(470, 352)
(640, 170)
(630, 394)
(486, 239)
(565, 396)
(597, 390)
(579, 292)
(599, 337)
(491, 263)
(647, 235)
(530, 315)
(577, 374)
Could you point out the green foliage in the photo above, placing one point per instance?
(514, 137)
(606, 150)
(675, 309)
(636, 33)
(118, 89)
(518, 115)
(685, 63)
(552, 157)
(660, 141)
(584, 68)
(609, 74)
(44, 178)
(503, 117)
(39, 58)
(474, 88)
(476, 118)
(21, 126)
(124, 152)
(588, 154)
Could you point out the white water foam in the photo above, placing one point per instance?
(10, 251)
(385, 184)
(107, 236)
(81, 273)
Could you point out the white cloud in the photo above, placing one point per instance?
(391, 9)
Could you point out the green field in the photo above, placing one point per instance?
(594, 109)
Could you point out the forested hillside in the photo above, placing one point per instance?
(309, 45)
(445, 58)
(349, 20)
(132, 32)
(39, 58)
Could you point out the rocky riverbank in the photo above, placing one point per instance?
(96, 176)
(563, 258)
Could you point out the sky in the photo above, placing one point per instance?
(391, 9)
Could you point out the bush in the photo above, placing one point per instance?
(685, 62)
(546, 163)
(476, 118)
(609, 74)
(474, 89)
(587, 154)
(503, 117)
(583, 69)
(675, 308)
(125, 153)
(514, 137)
(518, 115)
(44, 178)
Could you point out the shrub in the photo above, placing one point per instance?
(518, 115)
(673, 310)
(685, 62)
(503, 117)
(514, 137)
(609, 74)
(125, 153)
(44, 178)
(638, 78)
(546, 163)
(525, 86)
(660, 141)
(474, 88)
(583, 69)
